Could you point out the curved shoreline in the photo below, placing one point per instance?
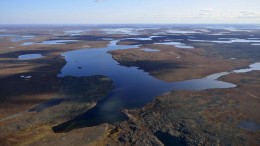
(121, 99)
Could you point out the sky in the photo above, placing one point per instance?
(129, 11)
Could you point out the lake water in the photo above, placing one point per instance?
(182, 31)
(23, 38)
(133, 88)
(55, 42)
(168, 140)
(228, 40)
(252, 126)
(30, 56)
(150, 50)
(177, 45)
(144, 38)
(50, 42)
(9, 35)
(255, 44)
(252, 67)
(125, 31)
(27, 43)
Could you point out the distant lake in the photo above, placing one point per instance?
(30, 56)
(228, 40)
(150, 50)
(56, 42)
(177, 45)
(50, 42)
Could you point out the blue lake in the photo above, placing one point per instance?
(50, 42)
(133, 88)
(177, 45)
(150, 50)
(30, 56)
(56, 42)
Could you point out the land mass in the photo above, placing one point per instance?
(34, 99)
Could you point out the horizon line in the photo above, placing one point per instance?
(130, 24)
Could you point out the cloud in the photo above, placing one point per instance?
(207, 10)
(249, 13)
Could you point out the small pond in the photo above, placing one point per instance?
(30, 56)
